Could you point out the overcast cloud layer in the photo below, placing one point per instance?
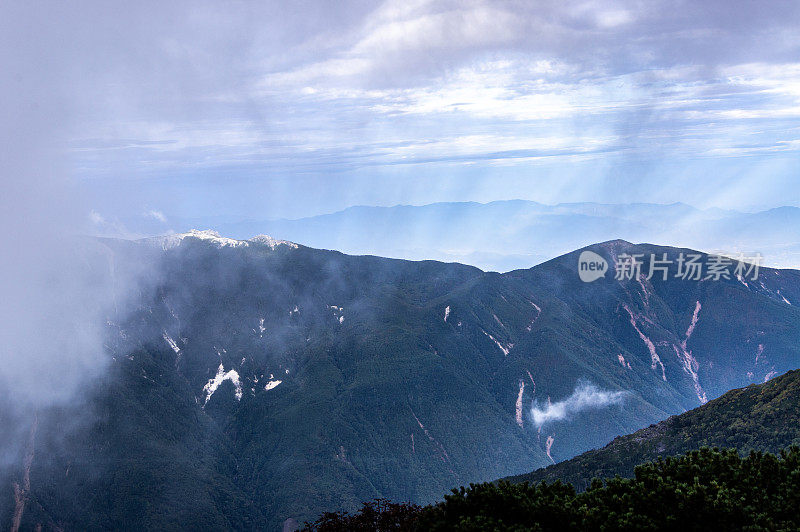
(292, 109)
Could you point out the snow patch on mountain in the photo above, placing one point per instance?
(167, 242)
(272, 383)
(519, 402)
(645, 291)
(222, 376)
(338, 313)
(171, 241)
(172, 343)
(272, 243)
(498, 321)
(741, 280)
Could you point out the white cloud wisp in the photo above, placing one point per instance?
(586, 396)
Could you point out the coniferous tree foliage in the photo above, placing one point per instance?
(378, 514)
(706, 489)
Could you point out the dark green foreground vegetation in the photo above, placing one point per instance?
(709, 489)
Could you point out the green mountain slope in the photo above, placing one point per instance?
(669, 486)
(260, 383)
(763, 417)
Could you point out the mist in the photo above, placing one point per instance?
(60, 289)
(586, 396)
(49, 315)
(63, 63)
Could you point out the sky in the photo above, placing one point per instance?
(236, 110)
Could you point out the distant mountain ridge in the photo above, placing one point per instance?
(513, 234)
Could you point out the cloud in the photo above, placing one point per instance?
(586, 396)
(58, 288)
(257, 104)
(156, 215)
(96, 218)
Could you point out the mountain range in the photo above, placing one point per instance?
(256, 383)
(507, 235)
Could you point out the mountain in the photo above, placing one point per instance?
(507, 235)
(253, 384)
(760, 417)
(672, 477)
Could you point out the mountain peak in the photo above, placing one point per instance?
(209, 235)
(267, 240)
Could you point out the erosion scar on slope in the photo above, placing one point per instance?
(22, 493)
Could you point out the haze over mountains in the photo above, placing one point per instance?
(261, 382)
(507, 235)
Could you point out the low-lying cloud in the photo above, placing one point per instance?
(59, 290)
(586, 396)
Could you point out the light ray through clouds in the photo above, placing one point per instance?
(316, 108)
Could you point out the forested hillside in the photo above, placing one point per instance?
(668, 485)
(763, 417)
(257, 383)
